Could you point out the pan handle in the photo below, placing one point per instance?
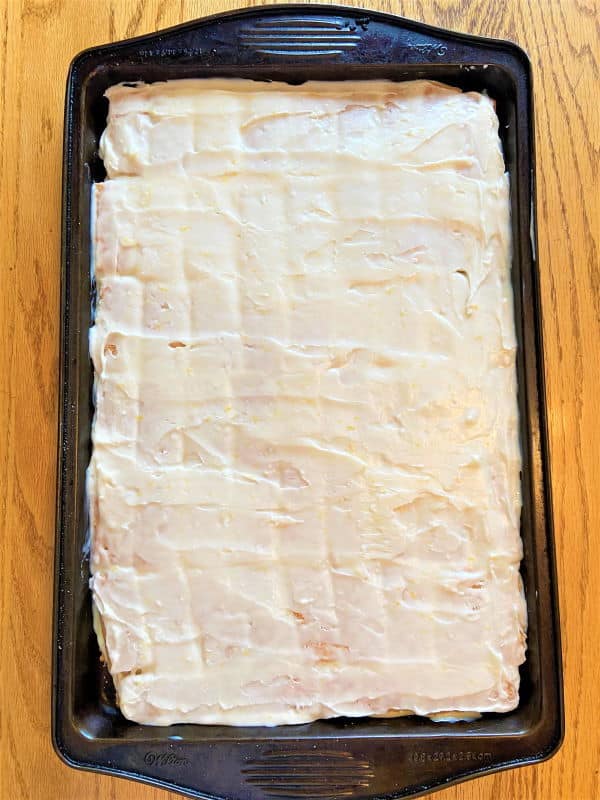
(310, 769)
(293, 34)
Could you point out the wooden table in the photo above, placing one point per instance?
(38, 38)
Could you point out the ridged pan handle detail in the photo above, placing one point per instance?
(301, 36)
(282, 774)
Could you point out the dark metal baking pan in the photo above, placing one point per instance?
(400, 757)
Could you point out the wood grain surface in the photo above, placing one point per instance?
(38, 38)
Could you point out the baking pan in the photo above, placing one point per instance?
(401, 757)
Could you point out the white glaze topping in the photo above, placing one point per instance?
(304, 486)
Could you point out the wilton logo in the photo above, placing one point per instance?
(165, 760)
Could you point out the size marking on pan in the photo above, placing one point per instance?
(428, 50)
(420, 757)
